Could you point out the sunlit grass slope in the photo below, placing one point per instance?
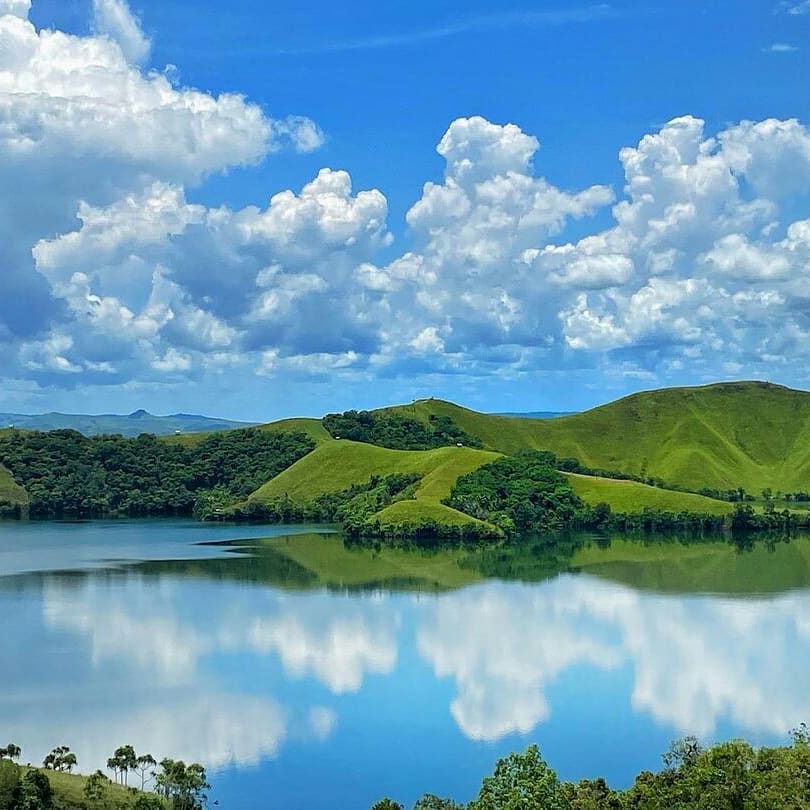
(338, 465)
(631, 496)
(747, 434)
(68, 792)
(10, 491)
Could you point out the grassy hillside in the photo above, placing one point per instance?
(10, 491)
(630, 496)
(749, 434)
(338, 465)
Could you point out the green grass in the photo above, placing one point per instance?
(630, 496)
(700, 568)
(748, 434)
(337, 465)
(10, 491)
(69, 791)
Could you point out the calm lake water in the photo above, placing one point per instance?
(307, 674)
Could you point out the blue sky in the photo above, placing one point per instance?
(544, 268)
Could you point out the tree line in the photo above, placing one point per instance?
(397, 431)
(67, 474)
(728, 776)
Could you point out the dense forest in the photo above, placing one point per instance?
(67, 474)
(397, 432)
(519, 494)
(728, 776)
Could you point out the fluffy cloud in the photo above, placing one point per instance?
(114, 18)
(82, 127)
(699, 262)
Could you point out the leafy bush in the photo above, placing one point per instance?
(397, 432)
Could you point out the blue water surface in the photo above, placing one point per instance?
(306, 696)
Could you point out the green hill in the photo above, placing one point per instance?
(722, 436)
(337, 465)
(631, 496)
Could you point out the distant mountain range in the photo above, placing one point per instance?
(131, 424)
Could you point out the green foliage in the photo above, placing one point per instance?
(431, 802)
(95, 788)
(11, 751)
(184, 785)
(521, 781)
(397, 432)
(35, 792)
(9, 784)
(728, 776)
(61, 759)
(519, 494)
(148, 801)
(65, 473)
(387, 804)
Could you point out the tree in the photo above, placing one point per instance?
(60, 759)
(9, 783)
(683, 753)
(11, 751)
(184, 784)
(94, 787)
(431, 802)
(36, 792)
(143, 765)
(387, 804)
(521, 781)
(125, 760)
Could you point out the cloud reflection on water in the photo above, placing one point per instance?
(207, 671)
(695, 661)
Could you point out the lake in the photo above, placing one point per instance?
(305, 673)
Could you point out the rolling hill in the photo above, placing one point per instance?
(749, 434)
(723, 436)
(336, 465)
(631, 496)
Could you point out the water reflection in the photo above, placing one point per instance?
(239, 661)
(694, 661)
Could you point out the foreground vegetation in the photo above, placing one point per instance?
(728, 776)
(174, 785)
